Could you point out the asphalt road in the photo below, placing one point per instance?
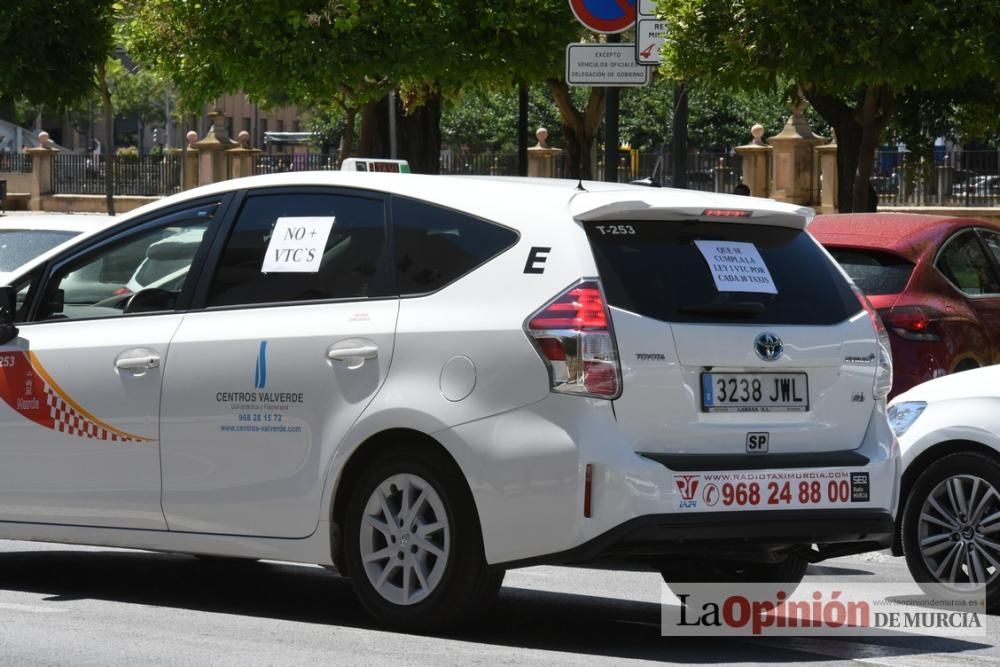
(74, 605)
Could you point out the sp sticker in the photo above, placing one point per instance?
(757, 443)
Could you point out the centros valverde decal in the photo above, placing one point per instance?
(28, 388)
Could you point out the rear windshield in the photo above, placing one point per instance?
(874, 272)
(656, 269)
(18, 246)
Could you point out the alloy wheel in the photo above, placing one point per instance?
(956, 531)
(405, 539)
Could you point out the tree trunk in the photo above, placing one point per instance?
(109, 138)
(579, 128)
(872, 116)
(375, 129)
(418, 132)
(347, 139)
(858, 130)
(420, 136)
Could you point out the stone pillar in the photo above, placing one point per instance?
(190, 164)
(541, 158)
(213, 165)
(756, 158)
(42, 159)
(241, 159)
(793, 160)
(827, 157)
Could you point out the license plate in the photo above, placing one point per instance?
(754, 392)
(771, 489)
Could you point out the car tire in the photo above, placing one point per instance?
(790, 571)
(425, 580)
(941, 544)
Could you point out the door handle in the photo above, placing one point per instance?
(137, 361)
(355, 351)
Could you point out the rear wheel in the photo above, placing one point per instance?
(412, 544)
(951, 526)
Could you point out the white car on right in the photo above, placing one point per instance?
(949, 436)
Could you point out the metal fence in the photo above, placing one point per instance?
(274, 164)
(145, 175)
(958, 178)
(15, 163)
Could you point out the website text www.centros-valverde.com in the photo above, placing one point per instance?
(260, 428)
(822, 609)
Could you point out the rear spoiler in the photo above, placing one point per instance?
(670, 204)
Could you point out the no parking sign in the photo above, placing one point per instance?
(605, 16)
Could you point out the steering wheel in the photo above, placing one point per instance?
(150, 300)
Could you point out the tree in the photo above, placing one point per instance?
(138, 92)
(311, 53)
(849, 58)
(49, 50)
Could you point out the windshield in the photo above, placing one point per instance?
(19, 246)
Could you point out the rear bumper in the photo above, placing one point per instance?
(743, 535)
(527, 470)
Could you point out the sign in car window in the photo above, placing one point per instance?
(737, 267)
(297, 245)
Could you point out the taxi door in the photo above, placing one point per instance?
(80, 385)
(278, 361)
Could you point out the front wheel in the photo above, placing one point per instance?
(951, 527)
(413, 548)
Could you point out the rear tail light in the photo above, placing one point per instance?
(912, 322)
(575, 340)
(883, 361)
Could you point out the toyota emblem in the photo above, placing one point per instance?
(768, 346)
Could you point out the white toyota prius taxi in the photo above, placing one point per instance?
(423, 381)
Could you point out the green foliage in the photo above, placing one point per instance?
(832, 45)
(49, 49)
(487, 121)
(310, 52)
(139, 92)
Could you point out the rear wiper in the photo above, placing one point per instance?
(741, 309)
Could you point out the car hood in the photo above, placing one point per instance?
(978, 383)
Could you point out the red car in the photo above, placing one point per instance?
(935, 280)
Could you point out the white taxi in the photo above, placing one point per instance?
(424, 381)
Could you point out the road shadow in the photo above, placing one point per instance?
(522, 618)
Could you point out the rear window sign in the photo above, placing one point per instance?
(737, 266)
(297, 245)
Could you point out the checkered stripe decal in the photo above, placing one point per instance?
(28, 388)
(67, 420)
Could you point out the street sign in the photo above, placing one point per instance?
(605, 16)
(647, 8)
(649, 34)
(604, 65)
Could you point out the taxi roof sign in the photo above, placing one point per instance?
(380, 165)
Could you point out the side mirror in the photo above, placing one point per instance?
(8, 310)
